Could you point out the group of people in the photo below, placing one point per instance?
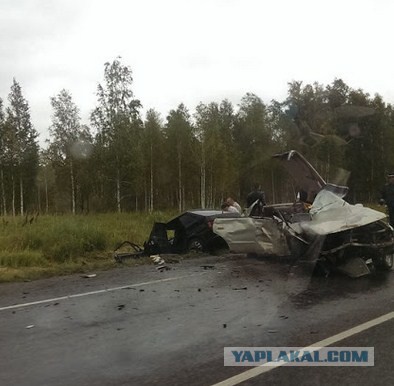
(256, 195)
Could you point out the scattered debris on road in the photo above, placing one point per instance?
(157, 259)
(89, 275)
(30, 326)
(208, 266)
(162, 266)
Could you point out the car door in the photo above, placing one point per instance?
(263, 236)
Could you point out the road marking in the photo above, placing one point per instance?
(95, 292)
(246, 375)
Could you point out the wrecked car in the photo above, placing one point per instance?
(322, 229)
(189, 232)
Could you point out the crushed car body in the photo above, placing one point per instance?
(330, 233)
(190, 231)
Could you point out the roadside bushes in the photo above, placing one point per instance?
(25, 258)
(68, 241)
(48, 240)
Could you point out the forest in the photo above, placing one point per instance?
(123, 161)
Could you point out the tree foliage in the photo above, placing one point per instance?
(117, 121)
(19, 154)
(70, 145)
(190, 158)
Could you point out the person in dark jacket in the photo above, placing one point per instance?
(387, 197)
(256, 195)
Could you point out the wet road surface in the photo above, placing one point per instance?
(139, 326)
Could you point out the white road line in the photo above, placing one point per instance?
(246, 375)
(95, 292)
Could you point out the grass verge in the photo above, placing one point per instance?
(58, 245)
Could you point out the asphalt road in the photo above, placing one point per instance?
(139, 326)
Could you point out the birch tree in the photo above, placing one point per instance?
(66, 133)
(179, 133)
(2, 160)
(21, 140)
(117, 120)
(213, 129)
(152, 142)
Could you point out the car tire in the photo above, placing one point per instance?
(195, 245)
(322, 269)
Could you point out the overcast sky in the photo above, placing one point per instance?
(192, 50)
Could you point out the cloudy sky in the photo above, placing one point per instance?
(192, 50)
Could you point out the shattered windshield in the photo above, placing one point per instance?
(326, 201)
(331, 213)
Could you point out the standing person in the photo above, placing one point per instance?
(254, 195)
(234, 203)
(387, 197)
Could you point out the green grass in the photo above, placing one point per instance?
(53, 245)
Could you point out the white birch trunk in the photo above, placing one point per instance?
(13, 196)
(21, 195)
(180, 203)
(151, 181)
(39, 198)
(118, 191)
(46, 196)
(203, 177)
(3, 194)
(72, 186)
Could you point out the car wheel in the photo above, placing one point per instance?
(195, 245)
(387, 261)
(322, 269)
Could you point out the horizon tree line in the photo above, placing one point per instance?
(124, 162)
